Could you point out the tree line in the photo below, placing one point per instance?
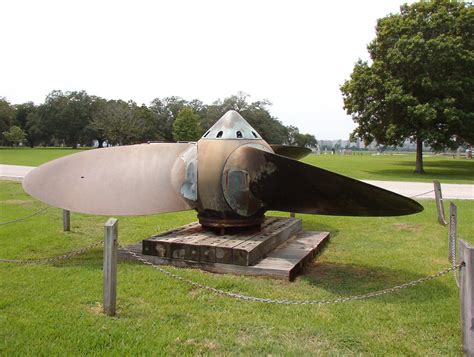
(73, 118)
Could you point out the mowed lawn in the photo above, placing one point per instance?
(396, 167)
(55, 309)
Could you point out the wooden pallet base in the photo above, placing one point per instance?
(242, 247)
(283, 262)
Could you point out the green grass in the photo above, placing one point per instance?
(55, 309)
(398, 167)
(33, 157)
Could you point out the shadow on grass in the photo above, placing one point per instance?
(441, 170)
(351, 279)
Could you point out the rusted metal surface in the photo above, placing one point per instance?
(293, 152)
(127, 180)
(231, 126)
(289, 185)
(212, 204)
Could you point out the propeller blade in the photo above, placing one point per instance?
(288, 185)
(125, 180)
(293, 152)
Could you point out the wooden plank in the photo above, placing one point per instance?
(159, 244)
(439, 203)
(177, 247)
(207, 248)
(66, 220)
(253, 249)
(110, 266)
(466, 255)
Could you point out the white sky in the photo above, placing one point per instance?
(294, 53)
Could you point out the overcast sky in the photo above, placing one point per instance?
(294, 53)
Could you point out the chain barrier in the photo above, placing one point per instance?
(292, 302)
(453, 245)
(25, 217)
(421, 194)
(55, 259)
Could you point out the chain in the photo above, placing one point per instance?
(452, 244)
(26, 217)
(421, 194)
(292, 302)
(55, 259)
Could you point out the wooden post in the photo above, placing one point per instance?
(452, 230)
(110, 266)
(466, 255)
(292, 215)
(66, 220)
(439, 203)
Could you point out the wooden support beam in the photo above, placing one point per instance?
(66, 220)
(439, 203)
(466, 255)
(110, 265)
(453, 221)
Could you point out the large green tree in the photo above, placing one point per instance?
(121, 123)
(7, 114)
(186, 126)
(419, 84)
(68, 116)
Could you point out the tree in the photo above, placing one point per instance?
(7, 113)
(420, 82)
(68, 115)
(22, 113)
(306, 140)
(186, 126)
(15, 135)
(165, 112)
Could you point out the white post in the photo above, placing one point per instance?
(110, 266)
(66, 220)
(439, 203)
(466, 255)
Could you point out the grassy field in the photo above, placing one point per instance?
(33, 157)
(56, 309)
(398, 167)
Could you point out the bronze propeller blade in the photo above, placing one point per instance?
(288, 185)
(293, 152)
(126, 180)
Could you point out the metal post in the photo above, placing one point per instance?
(466, 255)
(110, 266)
(66, 220)
(439, 203)
(452, 231)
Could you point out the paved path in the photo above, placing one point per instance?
(13, 172)
(408, 189)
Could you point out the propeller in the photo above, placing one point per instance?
(288, 185)
(126, 180)
(230, 176)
